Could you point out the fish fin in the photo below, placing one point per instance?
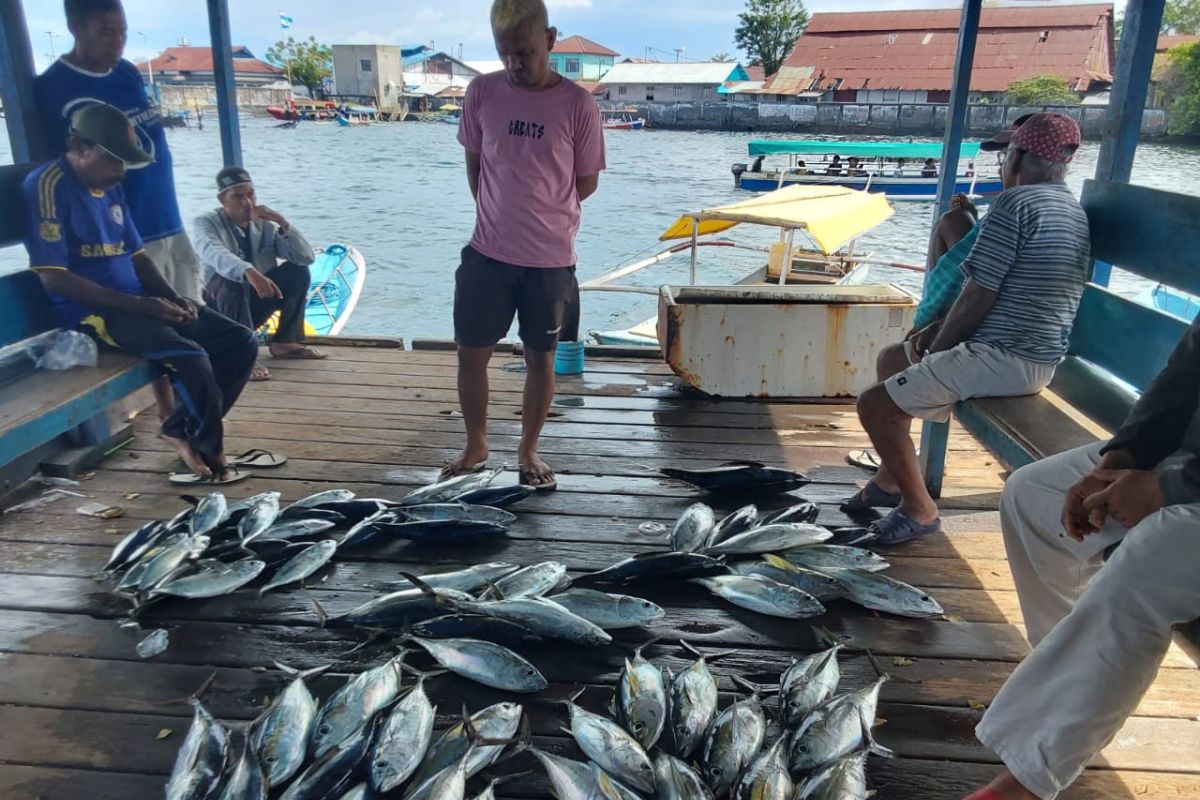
(322, 616)
(575, 696)
(190, 499)
(421, 674)
(754, 689)
(631, 676)
(195, 696)
(780, 563)
(755, 464)
(492, 592)
(692, 650)
(875, 747)
(637, 652)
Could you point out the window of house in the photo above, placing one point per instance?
(781, 98)
(891, 38)
(677, 90)
(572, 65)
(621, 90)
(1044, 36)
(365, 65)
(649, 92)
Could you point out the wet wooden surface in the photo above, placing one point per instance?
(79, 709)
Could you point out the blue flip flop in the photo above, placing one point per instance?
(870, 497)
(898, 528)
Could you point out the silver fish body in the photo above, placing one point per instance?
(259, 518)
(614, 750)
(844, 779)
(212, 583)
(350, 708)
(155, 643)
(766, 777)
(642, 700)
(361, 792)
(163, 565)
(486, 663)
(677, 781)
(280, 736)
(397, 609)
(544, 617)
(807, 684)
(820, 586)
(572, 780)
(648, 566)
(210, 512)
(248, 781)
(733, 740)
(771, 539)
(447, 490)
(692, 708)
(495, 723)
(402, 741)
(302, 565)
(822, 557)
(462, 512)
(133, 546)
(449, 784)
(247, 503)
(881, 593)
(470, 579)
(201, 760)
(609, 611)
(495, 496)
(297, 529)
(691, 530)
(331, 774)
(536, 580)
(801, 512)
(739, 521)
(835, 730)
(320, 499)
(763, 596)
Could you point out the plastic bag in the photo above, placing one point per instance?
(67, 349)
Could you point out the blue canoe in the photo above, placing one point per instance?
(338, 276)
(1176, 303)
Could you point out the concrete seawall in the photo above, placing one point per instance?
(865, 119)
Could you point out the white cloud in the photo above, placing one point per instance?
(568, 3)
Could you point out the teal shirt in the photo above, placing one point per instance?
(945, 282)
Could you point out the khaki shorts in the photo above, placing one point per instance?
(930, 388)
(179, 264)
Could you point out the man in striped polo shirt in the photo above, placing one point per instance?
(1007, 331)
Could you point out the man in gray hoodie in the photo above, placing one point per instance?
(1099, 629)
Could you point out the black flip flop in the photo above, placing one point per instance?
(898, 528)
(870, 497)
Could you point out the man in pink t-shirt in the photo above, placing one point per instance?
(535, 149)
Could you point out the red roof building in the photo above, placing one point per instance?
(581, 59)
(1169, 40)
(578, 45)
(908, 56)
(194, 65)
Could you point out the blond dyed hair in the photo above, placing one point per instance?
(511, 15)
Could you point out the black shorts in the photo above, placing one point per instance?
(489, 293)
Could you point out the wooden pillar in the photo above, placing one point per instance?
(22, 118)
(222, 49)
(935, 437)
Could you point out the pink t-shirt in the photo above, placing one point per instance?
(532, 145)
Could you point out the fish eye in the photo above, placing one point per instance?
(270, 759)
(323, 730)
(715, 771)
(924, 598)
(803, 748)
(380, 765)
(638, 727)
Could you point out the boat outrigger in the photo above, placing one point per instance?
(898, 170)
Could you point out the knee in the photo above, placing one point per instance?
(890, 360)
(538, 360)
(874, 405)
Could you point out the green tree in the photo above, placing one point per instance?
(1181, 16)
(722, 58)
(1181, 87)
(307, 62)
(1043, 90)
(767, 30)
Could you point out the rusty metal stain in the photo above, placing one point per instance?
(835, 325)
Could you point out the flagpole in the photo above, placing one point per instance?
(285, 23)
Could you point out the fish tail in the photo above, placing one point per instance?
(322, 616)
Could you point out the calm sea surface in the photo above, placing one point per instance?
(399, 193)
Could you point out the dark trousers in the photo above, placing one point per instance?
(238, 301)
(208, 362)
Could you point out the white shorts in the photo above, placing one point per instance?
(930, 388)
(177, 260)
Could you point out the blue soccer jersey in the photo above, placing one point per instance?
(150, 190)
(89, 233)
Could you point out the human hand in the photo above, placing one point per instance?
(271, 215)
(193, 313)
(1076, 519)
(161, 309)
(263, 286)
(923, 339)
(1130, 495)
(961, 202)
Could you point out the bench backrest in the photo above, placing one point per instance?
(1119, 345)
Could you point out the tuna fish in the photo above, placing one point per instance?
(536, 580)
(281, 734)
(807, 684)
(763, 596)
(740, 478)
(692, 529)
(201, 760)
(677, 781)
(835, 730)
(771, 539)
(648, 566)
(210, 512)
(642, 700)
(403, 740)
(739, 521)
(258, 518)
(486, 663)
(609, 611)
(614, 750)
(461, 512)
(881, 593)
(248, 781)
(693, 705)
(448, 490)
(733, 740)
(822, 557)
(766, 777)
(844, 779)
(820, 586)
(493, 724)
(350, 708)
(544, 617)
(302, 565)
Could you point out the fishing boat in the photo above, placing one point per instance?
(1175, 303)
(623, 119)
(898, 170)
(338, 277)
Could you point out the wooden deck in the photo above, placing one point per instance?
(78, 709)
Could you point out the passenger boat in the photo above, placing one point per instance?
(301, 108)
(623, 119)
(898, 170)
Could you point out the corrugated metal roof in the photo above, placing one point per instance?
(1167, 41)
(707, 74)
(577, 45)
(915, 50)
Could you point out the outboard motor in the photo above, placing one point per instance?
(738, 169)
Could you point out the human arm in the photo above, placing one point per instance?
(586, 185)
(290, 244)
(213, 253)
(590, 159)
(89, 294)
(969, 311)
(470, 134)
(473, 173)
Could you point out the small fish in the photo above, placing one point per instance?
(536, 580)
(835, 730)
(133, 575)
(296, 529)
(805, 512)
(609, 611)
(210, 513)
(212, 582)
(475, 626)
(133, 546)
(449, 784)
(614, 750)
(236, 510)
(261, 515)
(496, 723)
(766, 777)
(303, 564)
(331, 774)
(461, 512)
(647, 566)
(763, 595)
(486, 663)
(642, 700)
(248, 781)
(881, 593)
(367, 529)
(398, 609)
(319, 499)
(739, 521)
(743, 477)
(675, 780)
(570, 779)
(693, 705)
(349, 708)
(692, 529)
(403, 740)
(163, 565)
(820, 586)
(495, 496)
(771, 539)
(464, 580)
(733, 740)
(452, 489)
(281, 734)
(543, 617)
(201, 760)
(844, 779)
(154, 644)
(807, 684)
(822, 557)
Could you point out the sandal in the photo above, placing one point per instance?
(898, 528)
(233, 475)
(871, 496)
(453, 470)
(865, 459)
(305, 353)
(262, 459)
(526, 477)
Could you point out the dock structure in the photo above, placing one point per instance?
(79, 709)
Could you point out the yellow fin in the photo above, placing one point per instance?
(779, 563)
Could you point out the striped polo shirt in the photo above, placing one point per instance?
(1034, 252)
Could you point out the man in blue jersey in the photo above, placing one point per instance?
(85, 247)
(94, 72)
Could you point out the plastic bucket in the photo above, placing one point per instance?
(568, 358)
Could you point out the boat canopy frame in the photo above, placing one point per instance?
(885, 150)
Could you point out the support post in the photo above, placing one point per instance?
(222, 49)
(936, 436)
(25, 132)
(695, 248)
(1127, 102)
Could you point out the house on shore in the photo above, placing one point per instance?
(390, 74)
(670, 82)
(182, 77)
(581, 59)
(908, 56)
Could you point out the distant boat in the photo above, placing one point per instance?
(624, 119)
(338, 277)
(452, 119)
(1175, 303)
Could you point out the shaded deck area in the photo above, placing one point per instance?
(81, 715)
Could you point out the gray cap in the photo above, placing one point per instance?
(230, 177)
(108, 128)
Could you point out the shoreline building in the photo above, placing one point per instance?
(908, 56)
(182, 77)
(670, 82)
(391, 75)
(582, 60)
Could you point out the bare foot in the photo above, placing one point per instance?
(1004, 786)
(468, 461)
(190, 457)
(535, 472)
(286, 349)
(260, 372)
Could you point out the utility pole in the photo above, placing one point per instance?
(53, 36)
(677, 51)
(149, 60)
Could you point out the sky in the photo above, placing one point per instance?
(701, 27)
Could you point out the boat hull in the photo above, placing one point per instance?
(906, 188)
(338, 277)
(634, 125)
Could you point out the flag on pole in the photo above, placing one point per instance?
(285, 21)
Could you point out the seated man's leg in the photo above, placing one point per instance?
(1069, 698)
(293, 281)
(236, 300)
(231, 347)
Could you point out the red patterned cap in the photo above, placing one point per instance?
(1054, 137)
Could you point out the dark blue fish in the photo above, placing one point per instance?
(740, 478)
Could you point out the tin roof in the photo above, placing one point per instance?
(707, 73)
(916, 49)
(200, 59)
(1167, 41)
(577, 45)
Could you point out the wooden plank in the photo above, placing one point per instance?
(1040, 425)
(45, 783)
